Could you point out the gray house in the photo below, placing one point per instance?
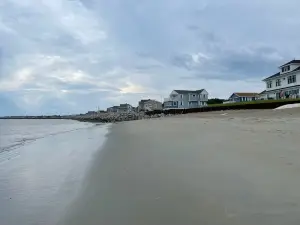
(149, 105)
(113, 109)
(184, 99)
(125, 108)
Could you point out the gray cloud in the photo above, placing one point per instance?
(67, 55)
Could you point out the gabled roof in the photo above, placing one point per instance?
(245, 94)
(291, 62)
(278, 74)
(189, 91)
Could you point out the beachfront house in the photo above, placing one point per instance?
(242, 97)
(285, 83)
(149, 105)
(125, 108)
(184, 99)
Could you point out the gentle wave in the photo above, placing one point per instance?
(20, 142)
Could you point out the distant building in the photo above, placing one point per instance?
(91, 113)
(243, 97)
(149, 105)
(141, 104)
(113, 109)
(125, 108)
(284, 84)
(184, 99)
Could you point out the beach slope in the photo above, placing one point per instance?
(222, 168)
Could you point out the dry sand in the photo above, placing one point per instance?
(220, 168)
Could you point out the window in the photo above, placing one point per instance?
(181, 103)
(194, 95)
(269, 84)
(181, 96)
(292, 79)
(175, 103)
(278, 82)
(286, 68)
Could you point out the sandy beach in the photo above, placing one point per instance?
(219, 168)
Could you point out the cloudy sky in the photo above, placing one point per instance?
(69, 56)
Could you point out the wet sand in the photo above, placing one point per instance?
(220, 168)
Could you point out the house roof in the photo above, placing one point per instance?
(245, 94)
(189, 91)
(113, 107)
(278, 74)
(262, 92)
(144, 100)
(291, 62)
(275, 75)
(124, 105)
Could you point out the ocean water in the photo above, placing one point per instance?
(42, 167)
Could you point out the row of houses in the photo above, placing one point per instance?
(178, 99)
(283, 84)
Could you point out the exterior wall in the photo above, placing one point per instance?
(262, 96)
(193, 97)
(169, 105)
(193, 104)
(125, 108)
(284, 81)
(184, 101)
(153, 105)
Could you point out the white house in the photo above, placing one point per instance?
(284, 84)
(183, 99)
(242, 97)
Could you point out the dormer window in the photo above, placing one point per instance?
(285, 69)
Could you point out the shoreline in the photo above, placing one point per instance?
(195, 169)
(40, 179)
